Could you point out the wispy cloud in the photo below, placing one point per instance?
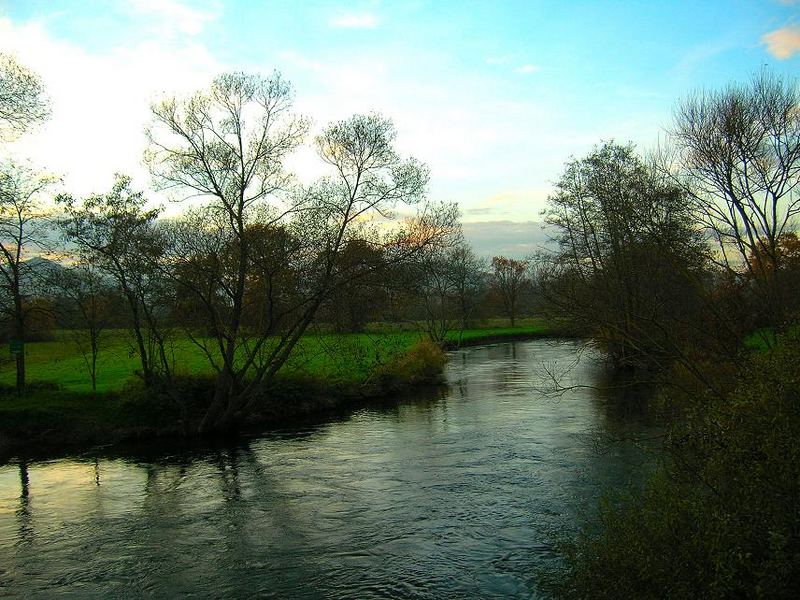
(528, 69)
(100, 101)
(355, 21)
(784, 42)
(499, 60)
(506, 238)
(176, 15)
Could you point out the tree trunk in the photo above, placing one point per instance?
(19, 334)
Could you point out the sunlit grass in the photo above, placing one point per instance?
(337, 358)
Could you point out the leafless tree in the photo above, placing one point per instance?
(21, 237)
(629, 259)
(449, 286)
(736, 153)
(116, 234)
(261, 246)
(85, 297)
(509, 277)
(22, 98)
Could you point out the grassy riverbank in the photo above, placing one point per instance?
(327, 371)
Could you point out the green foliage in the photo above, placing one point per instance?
(760, 340)
(476, 335)
(721, 517)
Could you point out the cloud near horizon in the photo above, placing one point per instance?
(512, 239)
(784, 42)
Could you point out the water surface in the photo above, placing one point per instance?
(453, 493)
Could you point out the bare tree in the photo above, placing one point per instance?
(256, 236)
(21, 236)
(737, 155)
(436, 289)
(629, 259)
(469, 273)
(227, 144)
(116, 235)
(448, 282)
(86, 303)
(509, 277)
(22, 98)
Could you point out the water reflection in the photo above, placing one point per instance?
(452, 493)
(23, 512)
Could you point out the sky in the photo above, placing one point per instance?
(495, 96)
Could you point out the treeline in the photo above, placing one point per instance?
(254, 262)
(685, 267)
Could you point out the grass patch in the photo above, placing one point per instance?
(59, 411)
(336, 358)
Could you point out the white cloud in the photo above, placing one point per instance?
(528, 69)
(499, 60)
(783, 43)
(100, 102)
(355, 21)
(512, 239)
(462, 125)
(174, 16)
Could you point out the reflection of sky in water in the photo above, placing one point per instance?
(456, 491)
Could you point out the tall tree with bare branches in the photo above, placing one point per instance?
(737, 156)
(23, 101)
(261, 255)
(21, 237)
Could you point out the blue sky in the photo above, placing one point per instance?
(494, 95)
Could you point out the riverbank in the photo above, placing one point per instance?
(54, 418)
(428, 494)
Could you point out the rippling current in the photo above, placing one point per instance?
(453, 493)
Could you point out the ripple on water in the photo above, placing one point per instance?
(446, 497)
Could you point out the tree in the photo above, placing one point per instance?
(21, 235)
(508, 279)
(22, 103)
(116, 235)
(468, 272)
(629, 262)
(361, 300)
(448, 283)
(737, 157)
(86, 303)
(256, 235)
(22, 98)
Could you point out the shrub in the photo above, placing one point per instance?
(423, 363)
(721, 517)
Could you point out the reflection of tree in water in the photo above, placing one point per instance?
(624, 397)
(511, 369)
(228, 471)
(24, 511)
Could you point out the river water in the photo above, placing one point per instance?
(455, 493)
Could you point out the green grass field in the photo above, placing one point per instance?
(337, 358)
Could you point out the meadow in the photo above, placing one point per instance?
(335, 358)
(59, 411)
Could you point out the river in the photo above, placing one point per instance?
(454, 493)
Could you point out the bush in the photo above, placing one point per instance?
(721, 517)
(423, 363)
